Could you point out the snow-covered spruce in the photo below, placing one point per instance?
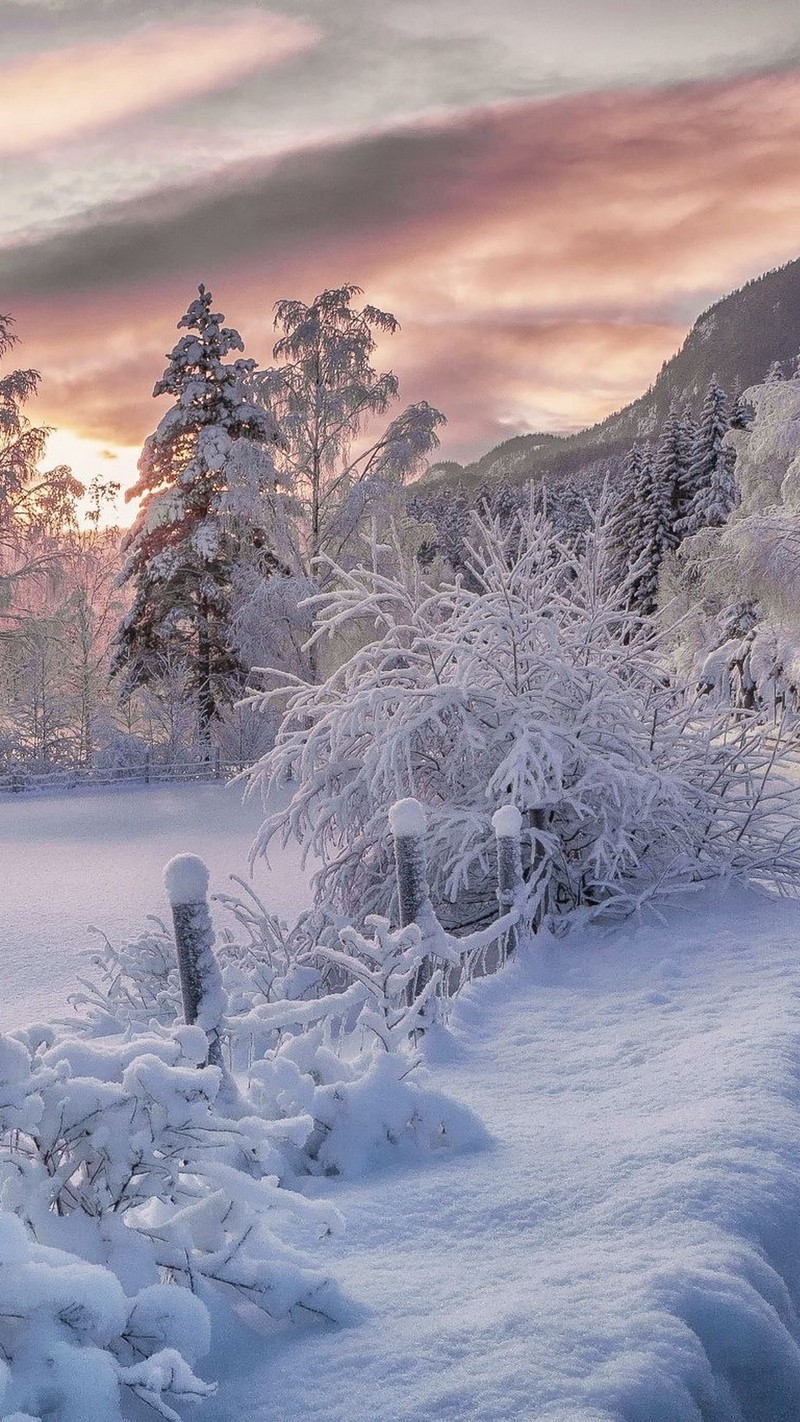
(205, 477)
(534, 685)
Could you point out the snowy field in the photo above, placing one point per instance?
(94, 857)
(628, 1248)
(624, 1250)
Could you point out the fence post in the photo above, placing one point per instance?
(216, 760)
(186, 883)
(407, 824)
(507, 826)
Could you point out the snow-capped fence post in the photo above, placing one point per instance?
(186, 883)
(407, 823)
(507, 826)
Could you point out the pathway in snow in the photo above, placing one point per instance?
(628, 1249)
(95, 857)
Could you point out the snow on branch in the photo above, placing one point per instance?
(535, 685)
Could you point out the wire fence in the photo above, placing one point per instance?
(20, 781)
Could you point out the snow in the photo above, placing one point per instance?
(186, 879)
(622, 1247)
(96, 857)
(507, 822)
(626, 1249)
(407, 819)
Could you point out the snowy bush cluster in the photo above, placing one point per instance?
(143, 1190)
(122, 1176)
(532, 683)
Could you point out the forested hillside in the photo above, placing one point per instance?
(736, 340)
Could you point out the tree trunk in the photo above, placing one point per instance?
(205, 697)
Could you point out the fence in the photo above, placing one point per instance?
(20, 780)
(448, 958)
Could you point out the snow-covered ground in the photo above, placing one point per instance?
(95, 857)
(628, 1248)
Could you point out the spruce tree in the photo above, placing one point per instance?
(669, 474)
(638, 533)
(709, 491)
(193, 524)
(688, 437)
(625, 523)
(742, 414)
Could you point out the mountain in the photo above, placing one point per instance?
(736, 339)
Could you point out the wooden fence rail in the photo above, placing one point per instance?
(21, 781)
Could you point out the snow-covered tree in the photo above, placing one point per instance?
(708, 492)
(650, 534)
(742, 413)
(736, 584)
(625, 525)
(537, 687)
(206, 477)
(35, 504)
(324, 395)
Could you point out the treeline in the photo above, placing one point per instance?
(673, 488)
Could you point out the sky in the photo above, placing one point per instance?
(545, 193)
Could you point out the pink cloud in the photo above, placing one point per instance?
(544, 259)
(57, 96)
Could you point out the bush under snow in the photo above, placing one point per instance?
(533, 685)
(129, 1167)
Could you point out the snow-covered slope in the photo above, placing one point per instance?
(628, 1249)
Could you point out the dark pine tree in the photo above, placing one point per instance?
(185, 541)
(625, 523)
(709, 490)
(669, 475)
(742, 414)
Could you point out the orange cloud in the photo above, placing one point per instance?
(54, 97)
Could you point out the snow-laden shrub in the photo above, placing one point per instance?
(310, 1015)
(535, 686)
(74, 1344)
(118, 1151)
(128, 986)
(137, 1166)
(120, 751)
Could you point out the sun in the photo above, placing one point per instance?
(91, 459)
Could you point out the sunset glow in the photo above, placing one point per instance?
(90, 460)
(545, 242)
